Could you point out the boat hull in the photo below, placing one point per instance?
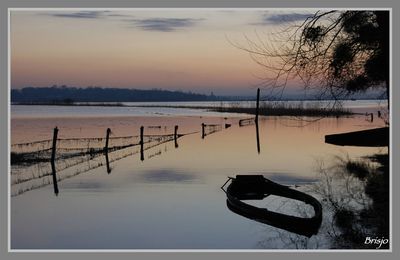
(256, 187)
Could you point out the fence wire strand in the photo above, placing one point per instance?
(31, 167)
(211, 128)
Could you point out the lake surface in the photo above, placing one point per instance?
(172, 199)
(169, 108)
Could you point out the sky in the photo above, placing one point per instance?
(175, 49)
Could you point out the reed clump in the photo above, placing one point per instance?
(288, 109)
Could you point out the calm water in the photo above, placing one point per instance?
(172, 199)
(359, 106)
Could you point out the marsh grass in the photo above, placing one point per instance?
(288, 109)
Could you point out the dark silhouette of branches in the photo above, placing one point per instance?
(333, 53)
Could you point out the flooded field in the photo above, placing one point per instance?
(168, 195)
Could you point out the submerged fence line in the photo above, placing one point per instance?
(39, 151)
(35, 171)
(40, 163)
(207, 129)
(247, 121)
(29, 180)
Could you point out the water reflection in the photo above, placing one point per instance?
(249, 122)
(158, 200)
(258, 138)
(107, 162)
(26, 177)
(357, 193)
(289, 179)
(54, 175)
(280, 239)
(167, 175)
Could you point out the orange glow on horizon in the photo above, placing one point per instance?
(48, 48)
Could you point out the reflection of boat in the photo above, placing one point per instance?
(256, 187)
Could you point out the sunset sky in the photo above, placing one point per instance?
(187, 49)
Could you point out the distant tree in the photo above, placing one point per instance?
(68, 101)
(69, 95)
(336, 53)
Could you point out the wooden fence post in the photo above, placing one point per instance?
(53, 151)
(106, 150)
(141, 143)
(176, 136)
(203, 130)
(107, 138)
(53, 158)
(258, 104)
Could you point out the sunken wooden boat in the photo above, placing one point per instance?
(256, 187)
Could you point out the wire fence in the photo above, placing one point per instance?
(31, 163)
(247, 121)
(40, 151)
(208, 129)
(40, 163)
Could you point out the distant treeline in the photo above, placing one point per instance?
(70, 95)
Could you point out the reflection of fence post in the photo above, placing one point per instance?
(107, 163)
(258, 104)
(203, 130)
(53, 158)
(176, 136)
(141, 143)
(258, 138)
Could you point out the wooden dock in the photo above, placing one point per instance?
(372, 138)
